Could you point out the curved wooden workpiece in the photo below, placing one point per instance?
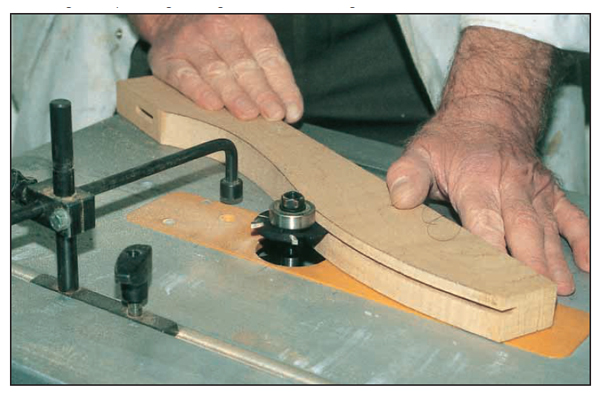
(416, 257)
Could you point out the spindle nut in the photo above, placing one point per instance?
(292, 201)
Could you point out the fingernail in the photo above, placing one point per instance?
(273, 111)
(395, 187)
(213, 103)
(565, 289)
(293, 113)
(396, 191)
(244, 103)
(564, 282)
(246, 108)
(408, 193)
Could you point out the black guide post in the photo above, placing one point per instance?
(67, 274)
(63, 182)
(63, 175)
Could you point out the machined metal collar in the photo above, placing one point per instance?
(292, 220)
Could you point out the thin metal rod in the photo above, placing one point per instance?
(29, 212)
(66, 259)
(247, 357)
(170, 161)
(63, 183)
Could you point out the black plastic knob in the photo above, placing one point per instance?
(132, 272)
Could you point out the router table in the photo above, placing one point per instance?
(250, 324)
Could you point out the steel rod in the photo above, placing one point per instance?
(63, 175)
(63, 184)
(28, 212)
(170, 161)
(68, 268)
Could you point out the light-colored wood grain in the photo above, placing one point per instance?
(426, 253)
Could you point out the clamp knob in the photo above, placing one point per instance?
(132, 272)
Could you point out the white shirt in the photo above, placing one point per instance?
(76, 57)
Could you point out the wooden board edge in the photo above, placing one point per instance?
(473, 317)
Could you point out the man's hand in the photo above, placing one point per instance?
(478, 152)
(234, 61)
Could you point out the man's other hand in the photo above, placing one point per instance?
(501, 192)
(479, 154)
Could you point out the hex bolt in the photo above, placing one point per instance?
(60, 219)
(292, 202)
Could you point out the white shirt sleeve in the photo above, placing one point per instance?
(432, 40)
(567, 32)
(76, 57)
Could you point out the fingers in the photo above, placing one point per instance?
(183, 76)
(245, 71)
(238, 63)
(532, 236)
(557, 266)
(480, 214)
(218, 74)
(409, 180)
(524, 232)
(269, 55)
(574, 225)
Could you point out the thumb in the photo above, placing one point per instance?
(409, 180)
